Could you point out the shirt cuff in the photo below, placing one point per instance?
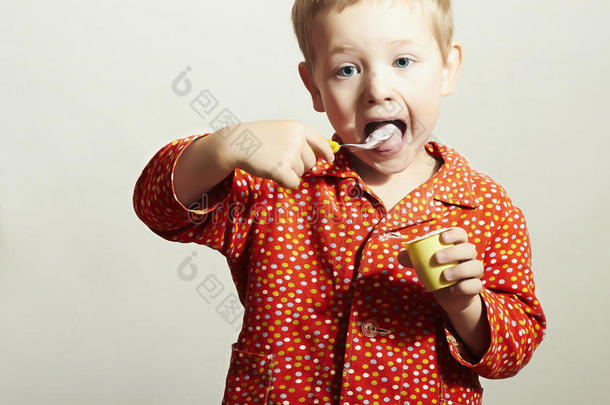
(215, 196)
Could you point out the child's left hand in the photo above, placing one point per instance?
(467, 272)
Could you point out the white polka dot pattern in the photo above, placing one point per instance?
(330, 315)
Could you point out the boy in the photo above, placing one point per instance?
(334, 312)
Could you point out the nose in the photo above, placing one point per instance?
(377, 90)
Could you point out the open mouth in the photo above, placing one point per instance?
(372, 126)
(391, 133)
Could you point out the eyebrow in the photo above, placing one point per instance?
(343, 48)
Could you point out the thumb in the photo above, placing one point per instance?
(404, 259)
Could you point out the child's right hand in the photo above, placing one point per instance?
(287, 149)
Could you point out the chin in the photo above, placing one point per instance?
(391, 166)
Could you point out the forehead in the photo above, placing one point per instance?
(370, 24)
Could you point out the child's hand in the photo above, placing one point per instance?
(468, 272)
(287, 150)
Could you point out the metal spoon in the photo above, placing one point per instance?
(372, 141)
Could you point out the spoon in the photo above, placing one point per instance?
(372, 141)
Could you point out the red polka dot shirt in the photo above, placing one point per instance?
(330, 316)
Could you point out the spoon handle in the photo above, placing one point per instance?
(370, 145)
(334, 145)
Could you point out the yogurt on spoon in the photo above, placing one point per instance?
(389, 138)
(385, 139)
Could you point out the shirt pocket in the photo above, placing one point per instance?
(249, 377)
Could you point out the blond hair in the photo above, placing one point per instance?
(305, 11)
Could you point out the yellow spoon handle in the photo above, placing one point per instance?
(334, 145)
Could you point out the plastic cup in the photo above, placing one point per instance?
(421, 251)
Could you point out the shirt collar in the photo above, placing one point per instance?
(454, 184)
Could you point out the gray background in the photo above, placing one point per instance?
(92, 309)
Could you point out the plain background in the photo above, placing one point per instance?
(92, 309)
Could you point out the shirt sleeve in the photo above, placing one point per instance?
(517, 322)
(221, 220)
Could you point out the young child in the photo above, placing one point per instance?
(334, 311)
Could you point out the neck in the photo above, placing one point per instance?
(422, 166)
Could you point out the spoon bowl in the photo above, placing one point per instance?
(372, 141)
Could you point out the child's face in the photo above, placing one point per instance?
(376, 79)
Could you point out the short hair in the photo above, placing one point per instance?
(305, 11)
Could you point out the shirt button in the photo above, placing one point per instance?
(388, 235)
(369, 328)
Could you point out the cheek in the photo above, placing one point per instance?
(339, 105)
(424, 103)
(424, 114)
(341, 96)
(338, 118)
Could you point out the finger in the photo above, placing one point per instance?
(461, 252)
(454, 235)
(297, 165)
(470, 286)
(465, 270)
(320, 145)
(404, 259)
(285, 177)
(308, 157)
(292, 180)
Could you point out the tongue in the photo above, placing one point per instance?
(383, 132)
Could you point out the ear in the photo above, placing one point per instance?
(309, 82)
(451, 69)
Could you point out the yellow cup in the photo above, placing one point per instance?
(421, 251)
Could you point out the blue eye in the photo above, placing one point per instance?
(407, 59)
(406, 63)
(345, 67)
